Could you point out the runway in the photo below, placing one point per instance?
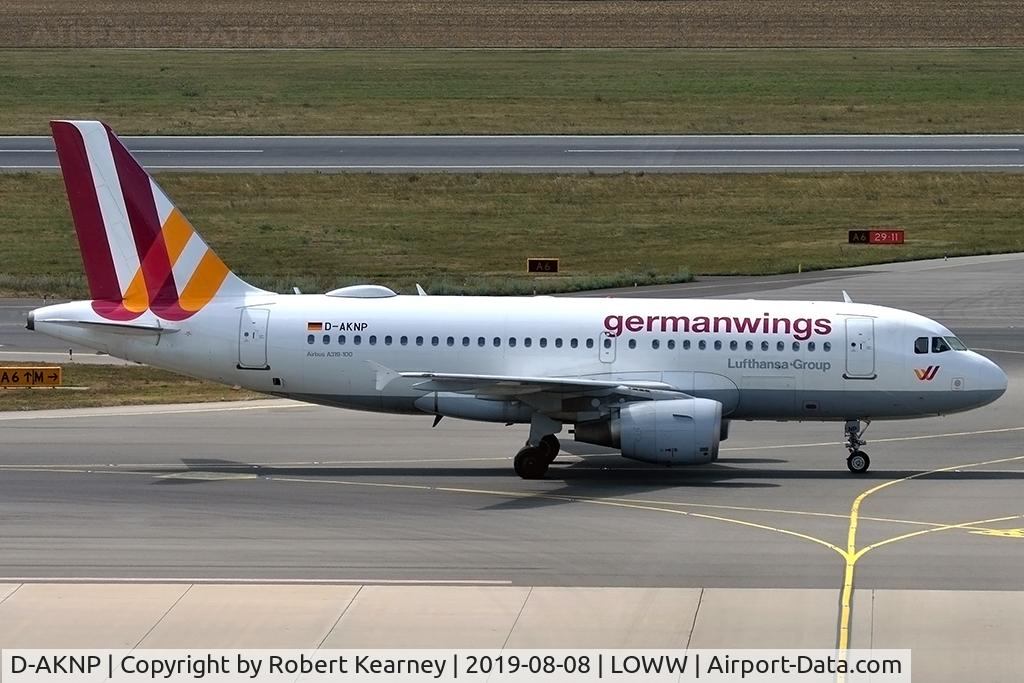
(555, 153)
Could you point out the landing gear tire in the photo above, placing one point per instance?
(549, 446)
(858, 462)
(531, 463)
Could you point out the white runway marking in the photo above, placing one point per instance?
(538, 167)
(112, 412)
(146, 151)
(790, 150)
(367, 582)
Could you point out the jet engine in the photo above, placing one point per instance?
(683, 431)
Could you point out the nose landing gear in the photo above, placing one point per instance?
(858, 461)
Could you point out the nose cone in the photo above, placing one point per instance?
(991, 381)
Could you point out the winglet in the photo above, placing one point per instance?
(846, 297)
(385, 375)
(420, 290)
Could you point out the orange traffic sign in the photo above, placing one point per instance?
(30, 377)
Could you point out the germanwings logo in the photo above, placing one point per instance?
(927, 374)
(140, 252)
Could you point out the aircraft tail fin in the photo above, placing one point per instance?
(140, 253)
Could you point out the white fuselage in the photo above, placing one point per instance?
(774, 360)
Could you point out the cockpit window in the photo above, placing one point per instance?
(956, 344)
(921, 345)
(939, 345)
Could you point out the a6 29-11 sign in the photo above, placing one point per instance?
(876, 236)
(30, 377)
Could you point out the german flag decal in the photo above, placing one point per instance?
(314, 327)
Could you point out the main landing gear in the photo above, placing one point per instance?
(858, 461)
(532, 461)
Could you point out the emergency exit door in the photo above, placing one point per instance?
(252, 338)
(860, 348)
(607, 347)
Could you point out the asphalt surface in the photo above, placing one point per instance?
(532, 153)
(277, 490)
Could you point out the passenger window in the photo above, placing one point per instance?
(749, 345)
(939, 345)
(419, 341)
(512, 341)
(810, 346)
(827, 346)
(607, 343)
(655, 343)
(558, 343)
(450, 341)
(480, 341)
(543, 342)
(357, 340)
(327, 339)
(921, 345)
(796, 346)
(574, 343)
(527, 342)
(434, 341)
(310, 339)
(590, 343)
(497, 342)
(781, 346)
(387, 340)
(671, 344)
(733, 345)
(404, 340)
(465, 341)
(718, 345)
(632, 343)
(702, 345)
(341, 340)
(686, 344)
(373, 340)
(764, 346)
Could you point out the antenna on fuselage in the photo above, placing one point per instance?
(420, 290)
(846, 297)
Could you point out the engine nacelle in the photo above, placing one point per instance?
(683, 431)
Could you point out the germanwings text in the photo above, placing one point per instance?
(801, 328)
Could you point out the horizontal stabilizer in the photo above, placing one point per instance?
(134, 329)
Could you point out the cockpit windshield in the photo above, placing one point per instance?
(955, 344)
(938, 345)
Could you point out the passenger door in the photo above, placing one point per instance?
(252, 338)
(860, 348)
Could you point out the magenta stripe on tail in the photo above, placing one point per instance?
(85, 210)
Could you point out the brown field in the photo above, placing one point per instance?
(511, 23)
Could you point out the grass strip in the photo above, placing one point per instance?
(473, 233)
(532, 91)
(113, 385)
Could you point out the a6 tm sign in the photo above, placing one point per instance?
(30, 377)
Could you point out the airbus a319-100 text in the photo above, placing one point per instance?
(659, 380)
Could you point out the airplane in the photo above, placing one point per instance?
(658, 379)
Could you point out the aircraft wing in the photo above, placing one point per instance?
(509, 386)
